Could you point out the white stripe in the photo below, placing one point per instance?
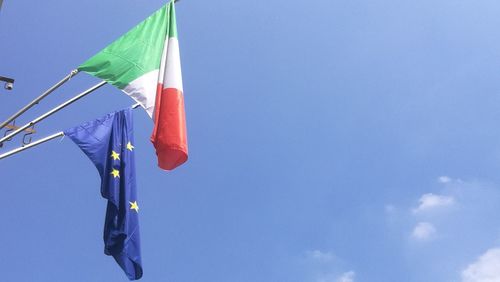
(163, 61)
(172, 78)
(143, 90)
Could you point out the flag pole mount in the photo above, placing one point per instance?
(27, 131)
(54, 110)
(39, 98)
(43, 140)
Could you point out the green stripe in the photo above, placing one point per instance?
(135, 53)
(172, 24)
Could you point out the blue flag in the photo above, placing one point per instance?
(109, 143)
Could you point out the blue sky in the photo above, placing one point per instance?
(330, 141)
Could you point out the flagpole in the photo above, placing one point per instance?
(54, 110)
(41, 141)
(39, 98)
(38, 142)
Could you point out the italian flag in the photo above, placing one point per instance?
(145, 64)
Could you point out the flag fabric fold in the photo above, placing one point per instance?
(145, 64)
(109, 143)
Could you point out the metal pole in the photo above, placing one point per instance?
(54, 110)
(38, 142)
(41, 141)
(37, 100)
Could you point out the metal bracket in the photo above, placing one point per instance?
(11, 127)
(6, 79)
(29, 131)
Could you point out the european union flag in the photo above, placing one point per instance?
(109, 143)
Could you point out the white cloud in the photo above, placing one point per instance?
(320, 256)
(332, 277)
(346, 277)
(431, 201)
(423, 231)
(444, 179)
(324, 266)
(485, 269)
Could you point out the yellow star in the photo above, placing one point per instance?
(115, 173)
(129, 146)
(115, 155)
(134, 206)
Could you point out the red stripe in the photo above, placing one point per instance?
(169, 135)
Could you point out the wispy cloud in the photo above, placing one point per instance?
(423, 231)
(324, 266)
(452, 206)
(485, 269)
(320, 256)
(347, 277)
(444, 179)
(428, 202)
(332, 277)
